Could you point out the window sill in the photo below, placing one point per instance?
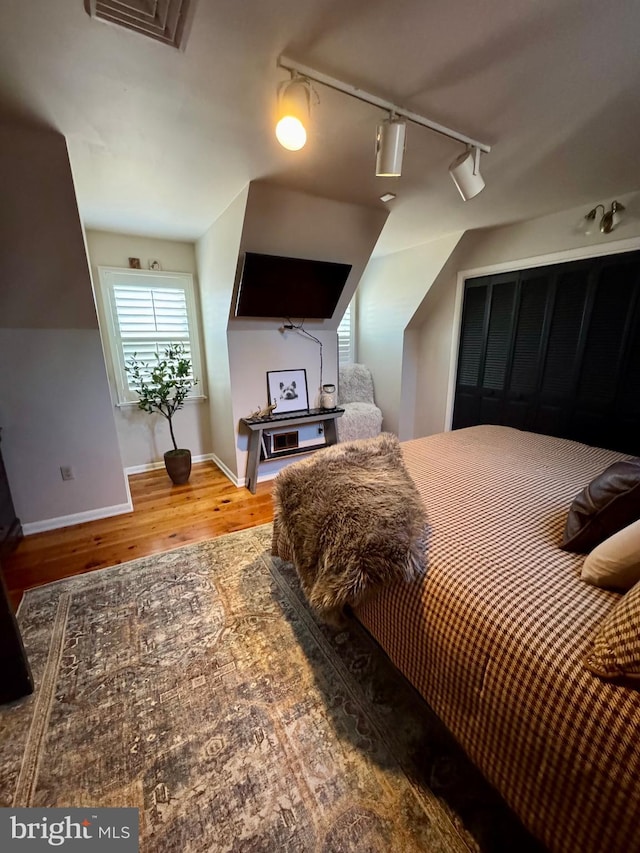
(130, 404)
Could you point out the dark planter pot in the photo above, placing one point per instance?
(178, 465)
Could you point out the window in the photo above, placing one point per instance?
(144, 312)
(346, 335)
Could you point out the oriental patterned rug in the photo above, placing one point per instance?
(197, 686)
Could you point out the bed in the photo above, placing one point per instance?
(495, 633)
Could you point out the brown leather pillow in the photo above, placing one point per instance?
(610, 502)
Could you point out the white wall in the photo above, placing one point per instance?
(284, 222)
(253, 353)
(391, 290)
(547, 239)
(144, 438)
(54, 396)
(217, 254)
(55, 412)
(239, 352)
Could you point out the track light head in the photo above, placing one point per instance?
(294, 97)
(390, 145)
(465, 173)
(391, 133)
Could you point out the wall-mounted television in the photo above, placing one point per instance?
(278, 287)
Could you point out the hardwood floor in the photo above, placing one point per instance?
(164, 517)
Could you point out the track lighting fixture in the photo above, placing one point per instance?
(610, 218)
(390, 138)
(294, 99)
(390, 143)
(465, 172)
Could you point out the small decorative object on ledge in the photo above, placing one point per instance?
(134, 263)
(263, 413)
(329, 396)
(289, 389)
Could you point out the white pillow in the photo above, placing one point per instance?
(615, 563)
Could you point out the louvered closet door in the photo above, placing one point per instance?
(555, 350)
(485, 346)
(628, 392)
(607, 378)
(471, 355)
(523, 379)
(500, 322)
(560, 348)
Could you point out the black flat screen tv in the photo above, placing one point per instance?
(278, 287)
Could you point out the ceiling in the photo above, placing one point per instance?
(162, 140)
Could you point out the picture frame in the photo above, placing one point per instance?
(288, 389)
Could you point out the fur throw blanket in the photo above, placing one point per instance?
(350, 519)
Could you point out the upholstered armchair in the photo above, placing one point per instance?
(362, 418)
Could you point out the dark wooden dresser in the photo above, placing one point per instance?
(15, 673)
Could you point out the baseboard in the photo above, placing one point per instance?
(205, 457)
(226, 471)
(153, 466)
(76, 518)
(271, 475)
(240, 482)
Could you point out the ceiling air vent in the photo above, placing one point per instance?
(163, 20)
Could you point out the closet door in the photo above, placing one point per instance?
(485, 344)
(627, 415)
(466, 410)
(606, 380)
(531, 328)
(560, 348)
(555, 350)
(499, 337)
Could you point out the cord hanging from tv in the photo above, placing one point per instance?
(274, 286)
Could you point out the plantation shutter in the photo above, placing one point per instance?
(345, 338)
(149, 319)
(147, 311)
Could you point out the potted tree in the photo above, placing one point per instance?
(163, 387)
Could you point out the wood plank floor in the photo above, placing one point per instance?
(164, 517)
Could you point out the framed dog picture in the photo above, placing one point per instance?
(288, 390)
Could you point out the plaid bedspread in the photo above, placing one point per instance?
(494, 635)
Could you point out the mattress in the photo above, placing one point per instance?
(494, 635)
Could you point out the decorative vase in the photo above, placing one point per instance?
(178, 465)
(328, 399)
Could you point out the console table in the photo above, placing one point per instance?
(258, 425)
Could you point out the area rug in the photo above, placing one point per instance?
(197, 686)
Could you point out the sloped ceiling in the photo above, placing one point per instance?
(161, 140)
(285, 222)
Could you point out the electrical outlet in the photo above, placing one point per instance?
(67, 472)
